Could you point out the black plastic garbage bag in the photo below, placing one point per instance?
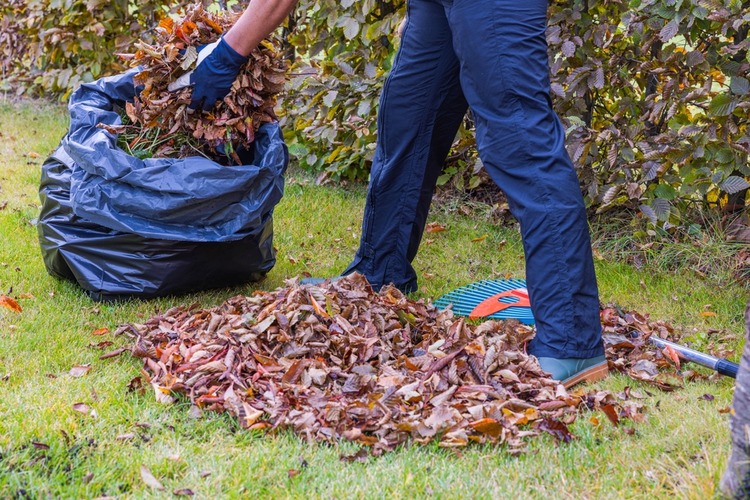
(123, 227)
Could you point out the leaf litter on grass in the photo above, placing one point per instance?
(339, 361)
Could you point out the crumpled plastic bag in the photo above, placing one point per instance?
(125, 227)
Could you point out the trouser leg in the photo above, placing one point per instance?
(502, 51)
(421, 108)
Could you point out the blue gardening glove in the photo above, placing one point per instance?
(213, 78)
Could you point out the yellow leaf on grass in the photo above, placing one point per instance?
(481, 238)
(707, 314)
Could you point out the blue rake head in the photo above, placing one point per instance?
(490, 299)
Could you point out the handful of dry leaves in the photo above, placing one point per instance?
(338, 361)
(158, 123)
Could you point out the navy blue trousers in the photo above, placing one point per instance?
(490, 55)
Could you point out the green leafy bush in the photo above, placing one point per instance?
(48, 47)
(654, 94)
(344, 49)
(656, 97)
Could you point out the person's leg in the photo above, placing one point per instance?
(502, 51)
(421, 108)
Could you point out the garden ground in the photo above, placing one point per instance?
(48, 448)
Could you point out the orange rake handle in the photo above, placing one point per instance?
(491, 305)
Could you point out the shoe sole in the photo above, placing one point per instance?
(590, 374)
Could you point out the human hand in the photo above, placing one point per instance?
(213, 77)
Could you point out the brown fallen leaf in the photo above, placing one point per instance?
(195, 412)
(149, 479)
(488, 426)
(112, 354)
(136, 385)
(100, 331)
(672, 355)
(163, 394)
(434, 227)
(40, 446)
(361, 456)
(552, 405)
(101, 345)
(82, 408)
(611, 413)
(79, 370)
(10, 303)
(557, 429)
(183, 492)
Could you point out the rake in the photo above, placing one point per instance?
(490, 299)
(509, 299)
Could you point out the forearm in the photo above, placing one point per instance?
(259, 19)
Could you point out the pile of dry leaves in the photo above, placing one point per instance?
(340, 361)
(161, 124)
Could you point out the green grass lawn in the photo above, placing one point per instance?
(48, 449)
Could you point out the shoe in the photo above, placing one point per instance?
(573, 371)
